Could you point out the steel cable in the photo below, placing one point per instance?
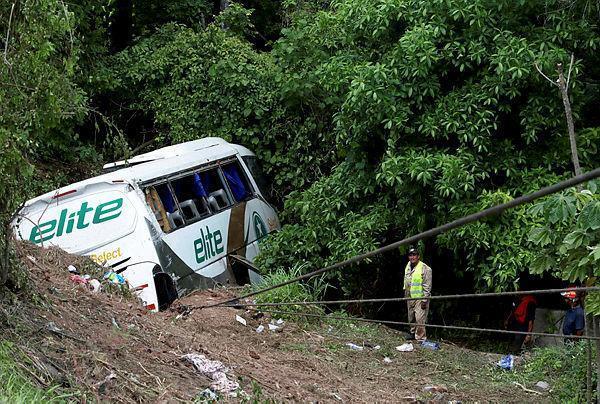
(451, 327)
(432, 232)
(404, 299)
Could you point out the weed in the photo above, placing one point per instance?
(15, 387)
(563, 367)
(295, 292)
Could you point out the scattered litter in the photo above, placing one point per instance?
(407, 347)
(354, 347)
(435, 389)
(507, 362)
(114, 277)
(108, 378)
(208, 394)
(434, 346)
(274, 327)
(30, 258)
(260, 328)
(279, 322)
(377, 347)
(71, 269)
(94, 285)
(387, 360)
(216, 371)
(115, 324)
(51, 326)
(337, 397)
(240, 320)
(101, 385)
(78, 279)
(542, 385)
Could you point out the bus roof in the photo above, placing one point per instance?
(155, 164)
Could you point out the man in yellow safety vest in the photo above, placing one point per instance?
(417, 283)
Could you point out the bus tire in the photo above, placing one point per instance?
(166, 292)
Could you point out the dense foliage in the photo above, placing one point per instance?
(374, 120)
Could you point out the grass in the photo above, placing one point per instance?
(17, 387)
(563, 367)
(297, 291)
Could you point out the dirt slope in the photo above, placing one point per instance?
(80, 339)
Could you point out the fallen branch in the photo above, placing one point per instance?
(528, 390)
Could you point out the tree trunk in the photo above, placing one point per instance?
(564, 92)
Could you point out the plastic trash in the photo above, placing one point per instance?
(31, 258)
(279, 322)
(507, 362)
(208, 394)
(273, 327)
(80, 280)
(240, 320)
(407, 347)
(387, 360)
(94, 285)
(434, 346)
(377, 347)
(115, 278)
(72, 269)
(260, 328)
(354, 347)
(215, 371)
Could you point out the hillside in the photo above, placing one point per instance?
(104, 346)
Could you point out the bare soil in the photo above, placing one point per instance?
(77, 338)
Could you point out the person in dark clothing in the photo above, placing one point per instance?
(574, 323)
(521, 319)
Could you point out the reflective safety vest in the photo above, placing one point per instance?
(416, 282)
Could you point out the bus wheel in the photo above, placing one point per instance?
(165, 290)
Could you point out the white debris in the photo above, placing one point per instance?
(94, 285)
(408, 347)
(280, 321)
(72, 269)
(354, 347)
(216, 371)
(260, 328)
(387, 360)
(208, 394)
(273, 327)
(377, 347)
(31, 258)
(240, 320)
(541, 385)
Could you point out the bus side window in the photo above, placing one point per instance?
(191, 195)
(174, 216)
(258, 175)
(156, 204)
(218, 197)
(238, 184)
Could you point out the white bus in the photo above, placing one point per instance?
(183, 217)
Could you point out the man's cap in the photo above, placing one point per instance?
(412, 250)
(571, 294)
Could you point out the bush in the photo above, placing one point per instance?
(311, 290)
(563, 367)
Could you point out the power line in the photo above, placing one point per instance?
(433, 232)
(450, 327)
(403, 299)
